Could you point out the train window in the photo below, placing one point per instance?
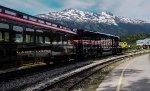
(32, 19)
(19, 38)
(60, 27)
(20, 15)
(47, 40)
(0, 10)
(64, 28)
(74, 30)
(39, 39)
(2, 25)
(40, 21)
(6, 38)
(29, 39)
(54, 25)
(29, 29)
(54, 39)
(32, 39)
(102, 42)
(48, 23)
(70, 38)
(65, 39)
(109, 43)
(69, 29)
(59, 40)
(39, 31)
(1, 38)
(10, 12)
(17, 28)
(25, 17)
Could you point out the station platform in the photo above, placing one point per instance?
(132, 75)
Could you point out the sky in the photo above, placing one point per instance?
(137, 9)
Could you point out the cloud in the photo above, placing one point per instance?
(80, 4)
(129, 8)
(30, 6)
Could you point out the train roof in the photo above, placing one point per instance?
(100, 33)
(107, 34)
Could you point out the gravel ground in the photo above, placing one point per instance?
(32, 80)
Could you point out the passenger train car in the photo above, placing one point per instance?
(24, 37)
(95, 44)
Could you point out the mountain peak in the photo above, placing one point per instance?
(105, 13)
(70, 9)
(76, 15)
(104, 22)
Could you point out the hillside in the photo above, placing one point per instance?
(131, 39)
(104, 22)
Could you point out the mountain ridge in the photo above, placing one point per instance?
(104, 22)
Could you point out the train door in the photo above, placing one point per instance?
(39, 37)
(29, 36)
(23, 42)
(80, 45)
(29, 44)
(99, 46)
(47, 38)
(17, 41)
(115, 45)
(39, 43)
(71, 49)
(57, 48)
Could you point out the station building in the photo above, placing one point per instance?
(145, 43)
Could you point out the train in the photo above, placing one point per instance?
(24, 37)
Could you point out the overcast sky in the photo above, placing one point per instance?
(138, 9)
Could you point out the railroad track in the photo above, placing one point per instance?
(20, 79)
(14, 73)
(67, 81)
(74, 80)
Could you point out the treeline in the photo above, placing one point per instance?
(131, 39)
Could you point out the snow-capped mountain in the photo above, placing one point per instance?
(133, 21)
(81, 16)
(104, 22)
